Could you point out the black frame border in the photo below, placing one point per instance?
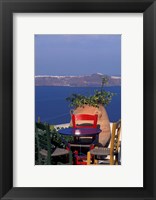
(7, 8)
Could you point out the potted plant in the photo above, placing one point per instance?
(95, 104)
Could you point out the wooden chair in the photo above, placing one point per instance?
(46, 150)
(107, 155)
(83, 121)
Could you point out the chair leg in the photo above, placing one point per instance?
(88, 158)
(95, 161)
(116, 159)
(39, 159)
(70, 158)
(48, 160)
(111, 159)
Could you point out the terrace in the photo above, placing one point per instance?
(77, 153)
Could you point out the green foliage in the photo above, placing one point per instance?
(99, 97)
(57, 140)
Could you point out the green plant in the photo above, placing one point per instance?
(57, 139)
(100, 97)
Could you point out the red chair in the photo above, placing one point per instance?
(84, 117)
(83, 120)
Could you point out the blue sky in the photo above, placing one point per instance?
(60, 55)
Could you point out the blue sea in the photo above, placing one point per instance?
(51, 105)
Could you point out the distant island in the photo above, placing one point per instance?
(93, 80)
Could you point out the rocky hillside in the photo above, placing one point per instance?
(76, 81)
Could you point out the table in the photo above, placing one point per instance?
(80, 132)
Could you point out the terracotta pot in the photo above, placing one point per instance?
(103, 121)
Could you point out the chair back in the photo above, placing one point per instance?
(43, 142)
(84, 118)
(115, 137)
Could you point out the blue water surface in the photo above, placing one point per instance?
(51, 105)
